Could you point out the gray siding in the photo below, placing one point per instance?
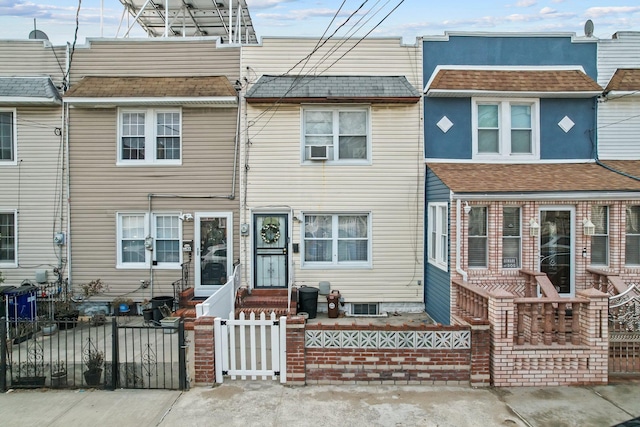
(437, 281)
(32, 58)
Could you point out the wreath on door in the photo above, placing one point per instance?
(270, 231)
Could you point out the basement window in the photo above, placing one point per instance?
(360, 309)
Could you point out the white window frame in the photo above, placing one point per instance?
(150, 256)
(14, 263)
(14, 136)
(605, 234)
(485, 237)
(626, 237)
(335, 263)
(518, 237)
(504, 128)
(438, 237)
(334, 148)
(150, 137)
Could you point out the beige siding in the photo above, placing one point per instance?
(155, 57)
(100, 189)
(34, 188)
(391, 188)
(32, 58)
(618, 121)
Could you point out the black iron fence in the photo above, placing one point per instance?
(100, 354)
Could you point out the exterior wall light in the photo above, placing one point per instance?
(589, 228)
(534, 228)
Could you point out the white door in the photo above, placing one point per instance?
(213, 244)
(557, 248)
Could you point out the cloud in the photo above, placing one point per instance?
(266, 4)
(597, 12)
(526, 3)
(301, 14)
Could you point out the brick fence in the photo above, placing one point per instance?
(369, 354)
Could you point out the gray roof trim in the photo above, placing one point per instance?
(295, 89)
(28, 90)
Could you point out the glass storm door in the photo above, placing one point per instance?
(556, 247)
(270, 250)
(213, 243)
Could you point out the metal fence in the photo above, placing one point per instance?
(79, 354)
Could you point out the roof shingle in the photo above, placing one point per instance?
(514, 81)
(624, 79)
(516, 178)
(294, 89)
(152, 87)
(28, 87)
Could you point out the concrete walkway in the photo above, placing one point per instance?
(265, 403)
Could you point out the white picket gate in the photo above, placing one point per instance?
(250, 348)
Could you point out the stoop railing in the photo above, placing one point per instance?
(222, 302)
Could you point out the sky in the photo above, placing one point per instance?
(383, 18)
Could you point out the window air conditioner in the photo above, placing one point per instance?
(318, 152)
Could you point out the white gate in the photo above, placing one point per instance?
(250, 348)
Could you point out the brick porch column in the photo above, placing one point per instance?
(501, 319)
(594, 330)
(480, 375)
(204, 354)
(296, 365)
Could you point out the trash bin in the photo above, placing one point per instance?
(308, 300)
(332, 302)
(22, 302)
(156, 303)
(3, 298)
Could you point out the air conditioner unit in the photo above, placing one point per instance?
(318, 152)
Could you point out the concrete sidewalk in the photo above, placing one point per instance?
(263, 403)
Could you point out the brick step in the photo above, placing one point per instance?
(262, 301)
(192, 302)
(266, 310)
(270, 292)
(189, 316)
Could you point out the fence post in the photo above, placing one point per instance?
(3, 354)
(114, 354)
(182, 359)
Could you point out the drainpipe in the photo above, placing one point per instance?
(68, 190)
(459, 239)
(150, 196)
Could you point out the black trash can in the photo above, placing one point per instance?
(308, 300)
(156, 303)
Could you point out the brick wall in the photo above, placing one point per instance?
(204, 359)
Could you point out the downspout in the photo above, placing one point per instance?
(237, 144)
(65, 112)
(150, 196)
(459, 239)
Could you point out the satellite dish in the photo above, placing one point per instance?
(38, 35)
(588, 28)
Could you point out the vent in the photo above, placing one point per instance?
(318, 152)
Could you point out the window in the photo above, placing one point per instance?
(505, 129)
(134, 237)
(632, 245)
(7, 137)
(338, 240)
(364, 309)
(150, 136)
(438, 235)
(344, 133)
(478, 239)
(600, 240)
(8, 240)
(511, 237)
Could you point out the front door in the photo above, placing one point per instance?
(557, 248)
(214, 251)
(270, 250)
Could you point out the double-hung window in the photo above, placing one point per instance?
(505, 129)
(138, 246)
(438, 235)
(7, 137)
(340, 240)
(150, 136)
(511, 237)
(478, 249)
(336, 134)
(8, 239)
(632, 236)
(600, 239)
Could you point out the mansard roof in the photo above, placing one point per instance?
(333, 89)
(532, 177)
(624, 80)
(28, 91)
(513, 81)
(96, 90)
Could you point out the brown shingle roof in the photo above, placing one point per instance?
(151, 87)
(515, 178)
(514, 81)
(631, 167)
(624, 79)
